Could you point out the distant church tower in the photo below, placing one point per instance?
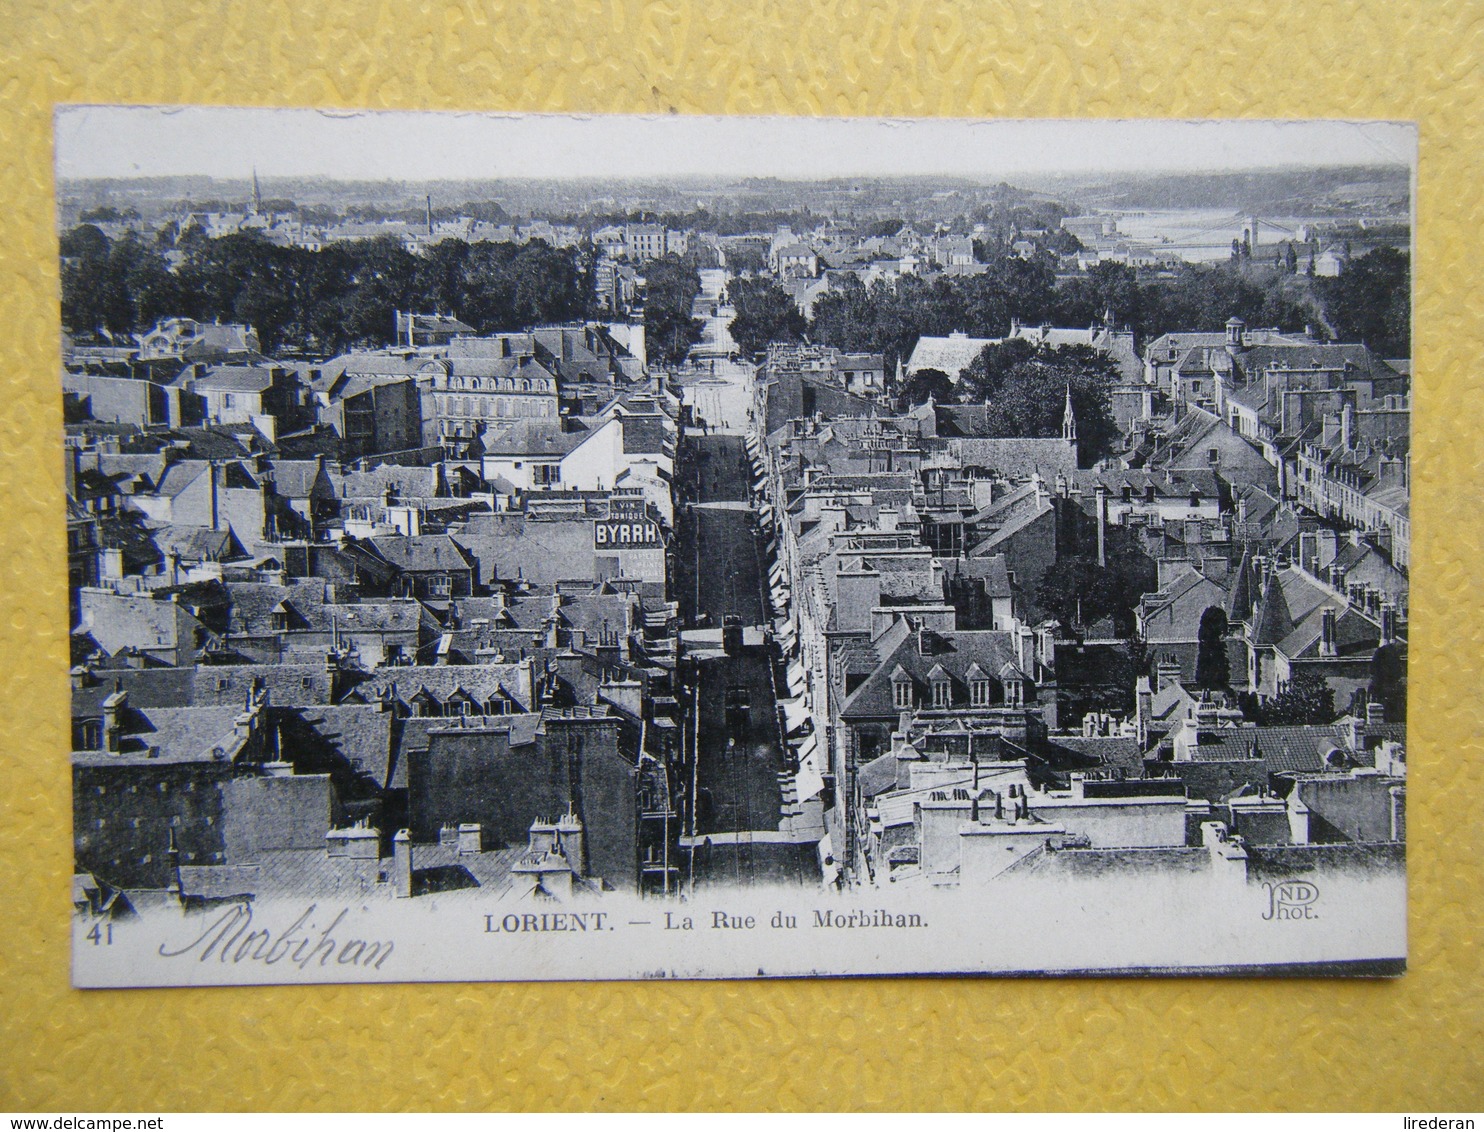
(1068, 420)
(257, 195)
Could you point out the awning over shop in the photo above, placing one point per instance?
(796, 683)
(795, 713)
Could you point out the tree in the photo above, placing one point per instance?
(747, 257)
(765, 313)
(1077, 591)
(1388, 685)
(1370, 301)
(1026, 387)
(1306, 700)
(671, 287)
(1212, 667)
(927, 383)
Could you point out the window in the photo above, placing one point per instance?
(901, 693)
(940, 693)
(979, 693)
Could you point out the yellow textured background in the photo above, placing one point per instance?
(1416, 1042)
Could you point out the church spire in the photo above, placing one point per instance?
(257, 195)
(1068, 419)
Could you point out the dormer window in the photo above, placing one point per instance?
(941, 686)
(901, 692)
(979, 692)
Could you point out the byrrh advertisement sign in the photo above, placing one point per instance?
(637, 534)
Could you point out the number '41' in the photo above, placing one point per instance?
(101, 933)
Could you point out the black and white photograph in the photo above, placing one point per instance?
(528, 547)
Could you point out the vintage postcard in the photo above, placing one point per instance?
(531, 547)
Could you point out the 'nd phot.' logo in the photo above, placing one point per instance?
(1291, 900)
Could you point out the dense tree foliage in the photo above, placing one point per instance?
(326, 301)
(1388, 686)
(925, 384)
(1026, 387)
(114, 286)
(765, 313)
(672, 285)
(889, 318)
(1370, 301)
(1212, 666)
(1307, 699)
(1077, 591)
(747, 257)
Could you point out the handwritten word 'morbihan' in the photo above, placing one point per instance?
(232, 939)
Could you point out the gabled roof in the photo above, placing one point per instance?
(948, 654)
(408, 482)
(181, 734)
(422, 553)
(234, 379)
(296, 479)
(534, 436)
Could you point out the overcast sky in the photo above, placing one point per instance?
(119, 141)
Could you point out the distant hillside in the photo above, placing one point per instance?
(1378, 188)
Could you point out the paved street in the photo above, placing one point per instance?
(740, 828)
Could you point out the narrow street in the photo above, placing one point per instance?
(743, 829)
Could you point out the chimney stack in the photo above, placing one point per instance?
(1327, 640)
(1102, 505)
(113, 707)
(402, 863)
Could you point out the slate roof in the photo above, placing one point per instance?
(480, 682)
(286, 685)
(419, 554)
(147, 688)
(360, 735)
(951, 355)
(534, 436)
(182, 734)
(196, 544)
(296, 479)
(254, 604)
(240, 379)
(509, 545)
(409, 482)
(953, 653)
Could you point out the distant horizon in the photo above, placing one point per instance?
(129, 143)
(698, 179)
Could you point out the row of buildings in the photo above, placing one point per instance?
(392, 623)
(1236, 710)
